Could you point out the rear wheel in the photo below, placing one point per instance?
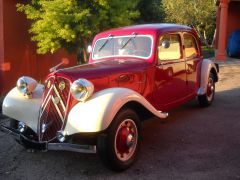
(207, 99)
(120, 147)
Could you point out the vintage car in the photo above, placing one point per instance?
(134, 73)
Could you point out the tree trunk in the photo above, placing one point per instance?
(84, 50)
(214, 38)
(205, 38)
(85, 55)
(82, 54)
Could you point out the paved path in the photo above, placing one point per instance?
(195, 143)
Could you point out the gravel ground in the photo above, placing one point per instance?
(194, 143)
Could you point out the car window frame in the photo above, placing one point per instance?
(160, 61)
(196, 43)
(128, 56)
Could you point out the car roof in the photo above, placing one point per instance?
(147, 28)
(157, 26)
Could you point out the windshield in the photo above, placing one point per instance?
(128, 46)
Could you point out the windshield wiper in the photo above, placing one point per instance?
(133, 35)
(104, 44)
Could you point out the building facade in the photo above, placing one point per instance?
(18, 55)
(228, 20)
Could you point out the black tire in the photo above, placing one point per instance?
(119, 148)
(14, 123)
(207, 99)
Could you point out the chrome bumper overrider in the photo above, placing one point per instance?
(45, 146)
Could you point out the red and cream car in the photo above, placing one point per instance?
(133, 73)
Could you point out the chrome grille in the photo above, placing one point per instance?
(54, 107)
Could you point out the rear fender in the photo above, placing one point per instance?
(207, 66)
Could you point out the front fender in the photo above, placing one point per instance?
(97, 113)
(207, 66)
(18, 107)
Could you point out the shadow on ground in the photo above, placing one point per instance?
(194, 143)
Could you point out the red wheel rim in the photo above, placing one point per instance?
(210, 89)
(126, 140)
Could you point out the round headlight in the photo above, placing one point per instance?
(81, 89)
(26, 85)
(22, 85)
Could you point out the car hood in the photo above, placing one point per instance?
(103, 69)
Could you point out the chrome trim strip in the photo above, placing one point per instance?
(68, 100)
(58, 110)
(43, 108)
(49, 91)
(72, 147)
(61, 101)
(39, 118)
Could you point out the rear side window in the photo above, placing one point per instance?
(169, 47)
(191, 50)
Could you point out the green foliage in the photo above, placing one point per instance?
(151, 11)
(198, 13)
(207, 52)
(71, 24)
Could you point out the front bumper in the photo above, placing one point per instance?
(45, 146)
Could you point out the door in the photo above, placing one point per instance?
(170, 76)
(193, 59)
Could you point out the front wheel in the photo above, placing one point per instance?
(120, 147)
(207, 99)
(13, 123)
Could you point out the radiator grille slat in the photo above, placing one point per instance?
(54, 108)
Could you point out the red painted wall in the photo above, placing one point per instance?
(19, 52)
(233, 19)
(1, 45)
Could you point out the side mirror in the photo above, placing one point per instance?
(89, 49)
(166, 44)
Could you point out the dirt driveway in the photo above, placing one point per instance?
(195, 143)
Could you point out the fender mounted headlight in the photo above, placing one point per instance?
(26, 85)
(81, 89)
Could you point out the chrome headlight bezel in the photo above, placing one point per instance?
(81, 89)
(26, 85)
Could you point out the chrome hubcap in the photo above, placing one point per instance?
(130, 140)
(126, 140)
(210, 89)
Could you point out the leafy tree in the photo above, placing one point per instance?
(151, 11)
(200, 14)
(71, 24)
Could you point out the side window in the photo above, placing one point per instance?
(191, 49)
(169, 47)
